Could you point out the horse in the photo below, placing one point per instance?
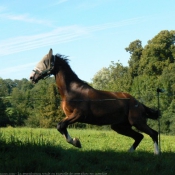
(82, 103)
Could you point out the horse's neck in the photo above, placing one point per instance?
(65, 85)
(60, 84)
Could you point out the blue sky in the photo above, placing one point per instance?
(91, 32)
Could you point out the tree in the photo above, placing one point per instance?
(135, 49)
(49, 114)
(101, 79)
(113, 78)
(45, 105)
(17, 112)
(3, 117)
(167, 79)
(168, 119)
(23, 84)
(4, 88)
(158, 54)
(120, 78)
(144, 88)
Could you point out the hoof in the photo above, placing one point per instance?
(156, 149)
(131, 149)
(76, 143)
(156, 153)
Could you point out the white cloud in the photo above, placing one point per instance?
(24, 18)
(57, 36)
(15, 69)
(23, 43)
(115, 25)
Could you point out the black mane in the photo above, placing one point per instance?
(62, 58)
(62, 64)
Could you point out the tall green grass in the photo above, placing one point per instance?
(24, 150)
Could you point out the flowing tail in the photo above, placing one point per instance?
(151, 113)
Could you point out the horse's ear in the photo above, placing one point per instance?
(50, 53)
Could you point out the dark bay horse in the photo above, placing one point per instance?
(83, 103)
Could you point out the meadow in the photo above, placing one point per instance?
(45, 152)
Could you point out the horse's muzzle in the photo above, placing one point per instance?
(34, 81)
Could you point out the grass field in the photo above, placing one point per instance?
(45, 151)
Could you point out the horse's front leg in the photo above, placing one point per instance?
(62, 128)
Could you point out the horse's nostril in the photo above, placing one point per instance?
(31, 77)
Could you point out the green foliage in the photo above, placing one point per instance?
(101, 79)
(158, 54)
(120, 77)
(115, 78)
(3, 117)
(45, 105)
(144, 89)
(17, 115)
(135, 49)
(26, 104)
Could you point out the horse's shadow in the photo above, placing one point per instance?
(20, 158)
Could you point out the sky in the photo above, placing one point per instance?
(92, 33)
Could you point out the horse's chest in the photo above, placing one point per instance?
(66, 108)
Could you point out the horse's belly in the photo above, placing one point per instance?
(106, 112)
(106, 118)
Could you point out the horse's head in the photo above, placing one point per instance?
(44, 68)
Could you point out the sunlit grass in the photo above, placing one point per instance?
(90, 139)
(36, 150)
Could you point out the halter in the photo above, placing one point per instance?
(46, 73)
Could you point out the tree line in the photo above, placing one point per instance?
(149, 67)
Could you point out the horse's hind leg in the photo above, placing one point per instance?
(152, 133)
(125, 129)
